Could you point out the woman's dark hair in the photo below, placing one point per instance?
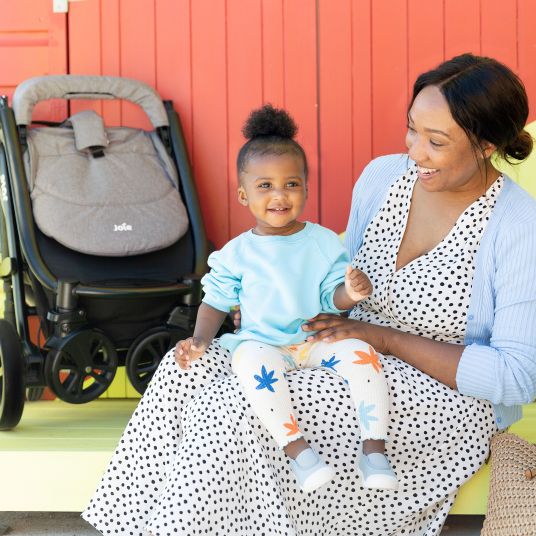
(270, 131)
(486, 99)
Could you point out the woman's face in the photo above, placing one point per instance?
(444, 155)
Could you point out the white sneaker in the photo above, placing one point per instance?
(376, 472)
(311, 472)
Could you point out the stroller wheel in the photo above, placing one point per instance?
(11, 377)
(82, 368)
(145, 354)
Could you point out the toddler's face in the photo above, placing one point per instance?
(274, 188)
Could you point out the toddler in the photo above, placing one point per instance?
(281, 273)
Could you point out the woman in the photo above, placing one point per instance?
(450, 246)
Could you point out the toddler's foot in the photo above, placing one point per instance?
(376, 472)
(311, 472)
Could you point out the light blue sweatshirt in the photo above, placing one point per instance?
(279, 282)
(499, 360)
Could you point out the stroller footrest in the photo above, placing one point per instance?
(175, 289)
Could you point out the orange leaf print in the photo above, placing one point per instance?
(370, 358)
(292, 426)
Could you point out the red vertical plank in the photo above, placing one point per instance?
(85, 46)
(173, 59)
(299, 23)
(499, 31)
(361, 85)
(244, 86)
(57, 45)
(273, 52)
(137, 26)
(462, 27)
(425, 38)
(57, 63)
(209, 97)
(85, 37)
(389, 75)
(335, 111)
(111, 54)
(527, 50)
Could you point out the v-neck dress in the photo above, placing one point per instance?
(194, 459)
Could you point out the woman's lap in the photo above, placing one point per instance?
(227, 476)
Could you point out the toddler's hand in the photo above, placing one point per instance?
(189, 350)
(357, 284)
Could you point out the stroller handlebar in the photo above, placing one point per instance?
(68, 86)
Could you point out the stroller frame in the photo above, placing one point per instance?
(22, 362)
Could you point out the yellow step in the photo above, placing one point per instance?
(54, 459)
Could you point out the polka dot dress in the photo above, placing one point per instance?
(194, 459)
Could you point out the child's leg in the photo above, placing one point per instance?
(261, 370)
(357, 362)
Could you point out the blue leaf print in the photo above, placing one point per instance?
(364, 414)
(330, 363)
(266, 379)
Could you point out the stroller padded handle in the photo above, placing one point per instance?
(68, 86)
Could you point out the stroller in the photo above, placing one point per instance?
(101, 240)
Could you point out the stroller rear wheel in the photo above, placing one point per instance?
(82, 367)
(146, 352)
(11, 377)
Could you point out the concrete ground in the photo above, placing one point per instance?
(71, 524)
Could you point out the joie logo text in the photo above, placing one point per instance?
(123, 227)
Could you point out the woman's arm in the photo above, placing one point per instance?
(437, 359)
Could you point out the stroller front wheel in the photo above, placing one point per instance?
(11, 377)
(82, 367)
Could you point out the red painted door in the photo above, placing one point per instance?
(33, 42)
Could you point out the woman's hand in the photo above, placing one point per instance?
(331, 328)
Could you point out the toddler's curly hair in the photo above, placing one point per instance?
(269, 131)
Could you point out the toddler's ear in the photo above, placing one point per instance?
(242, 197)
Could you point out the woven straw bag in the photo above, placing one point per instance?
(512, 494)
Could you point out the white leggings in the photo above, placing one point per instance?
(261, 368)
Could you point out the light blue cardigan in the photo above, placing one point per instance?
(499, 360)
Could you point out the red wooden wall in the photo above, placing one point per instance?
(33, 41)
(343, 68)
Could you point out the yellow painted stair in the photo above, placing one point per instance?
(54, 459)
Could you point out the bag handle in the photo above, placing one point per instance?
(68, 86)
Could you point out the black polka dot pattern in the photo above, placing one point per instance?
(430, 295)
(194, 459)
(227, 476)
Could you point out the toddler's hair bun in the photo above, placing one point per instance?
(269, 122)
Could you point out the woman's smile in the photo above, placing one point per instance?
(426, 173)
